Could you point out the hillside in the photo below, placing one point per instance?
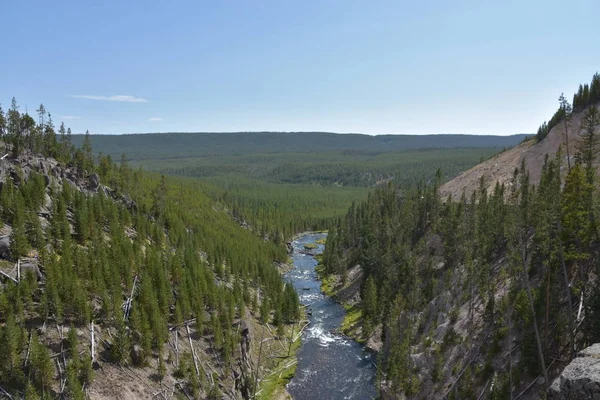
(116, 283)
(490, 297)
(500, 168)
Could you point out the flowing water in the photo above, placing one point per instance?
(330, 366)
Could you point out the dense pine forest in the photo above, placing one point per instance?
(281, 183)
(491, 295)
(134, 257)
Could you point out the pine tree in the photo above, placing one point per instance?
(369, 303)
(575, 214)
(19, 244)
(119, 349)
(520, 251)
(11, 345)
(49, 138)
(14, 128)
(88, 157)
(2, 125)
(589, 147)
(41, 365)
(566, 111)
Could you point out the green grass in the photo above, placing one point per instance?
(353, 317)
(351, 322)
(327, 281)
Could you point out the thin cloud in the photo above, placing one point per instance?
(69, 117)
(120, 97)
(154, 119)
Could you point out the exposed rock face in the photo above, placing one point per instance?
(5, 248)
(94, 181)
(580, 379)
(31, 265)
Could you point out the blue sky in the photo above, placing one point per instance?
(343, 66)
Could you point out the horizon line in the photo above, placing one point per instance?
(322, 132)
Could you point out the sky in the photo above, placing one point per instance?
(474, 67)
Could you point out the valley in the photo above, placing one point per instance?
(205, 275)
(307, 200)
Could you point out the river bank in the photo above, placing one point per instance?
(348, 295)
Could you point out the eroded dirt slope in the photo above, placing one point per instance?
(500, 168)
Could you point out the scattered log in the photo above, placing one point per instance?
(1, 389)
(473, 353)
(533, 382)
(28, 351)
(580, 307)
(93, 345)
(275, 338)
(176, 348)
(187, 327)
(9, 277)
(129, 300)
(484, 389)
(62, 374)
(301, 331)
(281, 368)
(258, 362)
(178, 384)
(189, 321)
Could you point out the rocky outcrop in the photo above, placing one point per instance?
(580, 379)
(5, 248)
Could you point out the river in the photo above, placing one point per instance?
(330, 366)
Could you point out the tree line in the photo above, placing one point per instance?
(586, 95)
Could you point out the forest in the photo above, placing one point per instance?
(138, 257)
(493, 291)
(204, 144)
(146, 246)
(282, 183)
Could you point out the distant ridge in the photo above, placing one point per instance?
(170, 145)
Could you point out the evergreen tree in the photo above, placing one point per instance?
(41, 365)
(566, 110)
(14, 128)
(19, 244)
(2, 125)
(369, 303)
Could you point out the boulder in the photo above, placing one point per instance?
(129, 203)
(137, 355)
(5, 248)
(94, 181)
(31, 266)
(580, 379)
